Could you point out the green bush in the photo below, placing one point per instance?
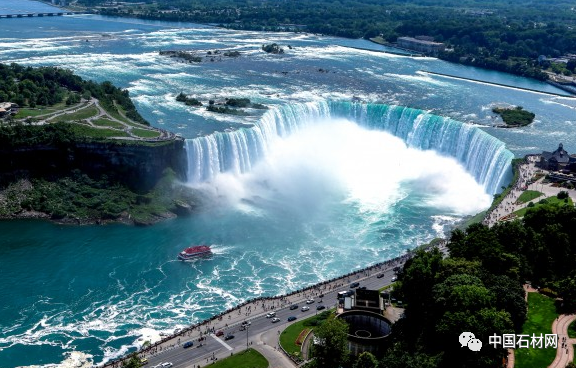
(548, 292)
(562, 194)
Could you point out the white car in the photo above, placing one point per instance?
(165, 365)
(270, 314)
(394, 278)
(304, 308)
(275, 320)
(310, 301)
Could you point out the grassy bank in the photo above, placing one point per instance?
(247, 359)
(81, 114)
(550, 200)
(498, 198)
(289, 336)
(529, 195)
(540, 316)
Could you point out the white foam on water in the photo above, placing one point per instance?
(335, 158)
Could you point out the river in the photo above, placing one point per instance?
(316, 186)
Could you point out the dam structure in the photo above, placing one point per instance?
(483, 156)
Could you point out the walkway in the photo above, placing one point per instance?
(565, 345)
(126, 125)
(268, 346)
(505, 209)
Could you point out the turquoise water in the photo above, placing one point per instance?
(327, 198)
(25, 7)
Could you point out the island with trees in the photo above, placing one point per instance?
(515, 117)
(230, 106)
(528, 38)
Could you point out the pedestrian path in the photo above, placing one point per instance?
(565, 344)
(227, 346)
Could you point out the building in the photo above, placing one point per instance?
(8, 108)
(362, 310)
(558, 160)
(424, 44)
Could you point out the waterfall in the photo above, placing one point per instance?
(482, 155)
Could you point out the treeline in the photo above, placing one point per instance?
(477, 289)
(47, 86)
(18, 135)
(506, 36)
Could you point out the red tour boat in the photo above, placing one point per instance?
(194, 252)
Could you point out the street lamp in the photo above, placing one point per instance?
(246, 328)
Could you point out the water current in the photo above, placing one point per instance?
(360, 157)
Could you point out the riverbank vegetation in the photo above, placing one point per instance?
(67, 164)
(515, 117)
(505, 36)
(49, 86)
(80, 199)
(478, 289)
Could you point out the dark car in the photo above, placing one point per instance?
(380, 275)
(397, 269)
(362, 288)
(293, 307)
(291, 318)
(320, 307)
(219, 333)
(187, 344)
(354, 285)
(229, 337)
(321, 295)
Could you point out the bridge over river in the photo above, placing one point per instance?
(40, 14)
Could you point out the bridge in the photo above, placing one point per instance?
(42, 14)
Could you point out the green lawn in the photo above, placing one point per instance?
(246, 359)
(571, 330)
(40, 110)
(145, 133)
(551, 200)
(290, 334)
(475, 219)
(98, 133)
(540, 317)
(529, 195)
(78, 115)
(26, 112)
(108, 123)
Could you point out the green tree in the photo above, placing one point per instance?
(331, 350)
(366, 360)
(400, 356)
(132, 362)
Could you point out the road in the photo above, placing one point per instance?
(258, 334)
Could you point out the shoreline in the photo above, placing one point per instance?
(282, 300)
(496, 84)
(275, 303)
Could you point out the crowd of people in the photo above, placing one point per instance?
(259, 305)
(504, 210)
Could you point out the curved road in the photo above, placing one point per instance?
(262, 333)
